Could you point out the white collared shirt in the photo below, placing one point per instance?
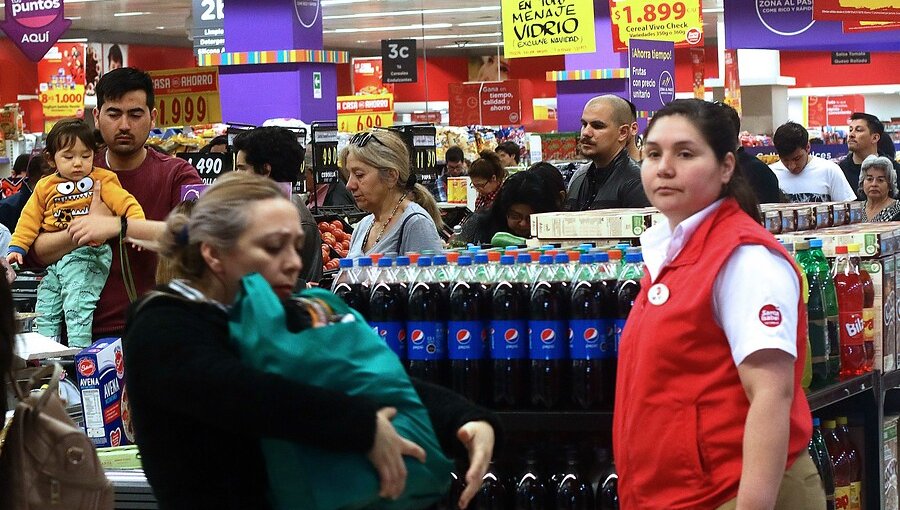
(752, 278)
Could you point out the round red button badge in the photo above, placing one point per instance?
(770, 316)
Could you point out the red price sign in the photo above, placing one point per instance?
(187, 96)
(659, 20)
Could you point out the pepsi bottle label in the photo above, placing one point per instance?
(592, 339)
(394, 335)
(620, 326)
(465, 339)
(427, 341)
(509, 339)
(548, 339)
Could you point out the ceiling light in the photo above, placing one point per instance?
(388, 29)
(471, 45)
(478, 23)
(131, 13)
(453, 36)
(73, 18)
(160, 28)
(326, 3)
(412, 13)
(714, 10)
(73, 40)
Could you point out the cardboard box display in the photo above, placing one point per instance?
(599, 224)
(457, 190)
(889, 497)
(856, 212)
(101, 380)
(823, 216)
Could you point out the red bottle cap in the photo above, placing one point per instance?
(840, 250)
(574, 255)
(494, 256)
(413, 257)
(452, 257)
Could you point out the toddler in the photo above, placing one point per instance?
(72, 287)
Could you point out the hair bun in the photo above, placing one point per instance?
(411, 181)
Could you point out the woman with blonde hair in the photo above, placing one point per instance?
(404, 216)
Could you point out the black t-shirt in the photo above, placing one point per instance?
(762, 179)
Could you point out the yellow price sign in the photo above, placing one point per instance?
(534, 28)
(678, 21)
(361, 113)
(187, 96)
(61, 102)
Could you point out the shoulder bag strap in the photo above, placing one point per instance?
(403, 226)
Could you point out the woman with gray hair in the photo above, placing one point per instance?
(878, 180)
(404, 216)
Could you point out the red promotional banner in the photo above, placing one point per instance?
(833, 110)
(367, 74)
(494, 103)
(698, 70)
(850, 27)
(855, 10)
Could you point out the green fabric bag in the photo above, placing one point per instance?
(346, 356)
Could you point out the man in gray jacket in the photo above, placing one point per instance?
(612, 179)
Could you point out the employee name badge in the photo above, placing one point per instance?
(658, 294)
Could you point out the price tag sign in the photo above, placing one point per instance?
(60, 102)
(187, 96)
(361, 113)
(424, 153)
(325, 153)
(209, 165)
(399, 60)
(678, 21)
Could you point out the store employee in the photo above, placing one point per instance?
(611, 179)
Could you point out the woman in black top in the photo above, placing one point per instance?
(199, 412)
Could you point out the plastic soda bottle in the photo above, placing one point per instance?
(854, 460)
(831, 309)
(850, 304)
(466, 334)
(387, 309)
(868, 306)
(426, 326)
(548, 334)
(816, 315)
(509, 333)
(841, 464)
(819, 453)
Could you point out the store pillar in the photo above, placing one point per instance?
(274, 65)
(571, 96)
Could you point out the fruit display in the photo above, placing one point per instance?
(335, 243)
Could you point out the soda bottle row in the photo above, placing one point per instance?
(840, 312)
(532, 488)
(839, 464)
(510, 332)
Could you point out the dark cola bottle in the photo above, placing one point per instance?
(466, 334)
(605, 274)
(387, 308)
(548, 334)
(350, 286)
(509, 334)
(589, 323)
(574, 492)
(426, 326)
(608, 487)
(531, 493)
(492, 495)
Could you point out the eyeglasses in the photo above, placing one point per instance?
(362, 138)
(479, 185)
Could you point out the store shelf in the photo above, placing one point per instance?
(843, 390)
(557, 421)
(890, 380)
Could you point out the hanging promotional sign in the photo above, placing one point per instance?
(782, 25)
(849, 10)
(652, 74)
(850, 27)
(360, 113)
(680, 22)
(496, 103)
(698, 72)
(533, 28)
(832, 110)
(209, 27)
(61, 79)
(732, 81)
(187, 96)
(34, 26)
(367, 77)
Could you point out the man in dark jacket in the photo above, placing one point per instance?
(612, 179)
(762, 179)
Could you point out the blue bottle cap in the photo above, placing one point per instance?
(402, 261)
(364, 262)
(633, 258)
(586, 246)
(601, 257)
(507, 260)
(424, 262)
(464, 260)
(439, 260)
(481, 258)
(817, 422)
(562, 258)
(815, 243)
(473, 250)
(385, 262)
(545, 259)
(523, 258)
(586, 258)
(633, 249)
(345, 263)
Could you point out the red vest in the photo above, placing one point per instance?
(678, 425)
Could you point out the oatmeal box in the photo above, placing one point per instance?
(101, 381)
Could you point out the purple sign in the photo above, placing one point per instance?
(34, 25)
(652, 74)
(789, 25)
(834, 152)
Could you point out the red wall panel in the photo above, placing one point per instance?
(684, 71)
(441, 71)
(814, 69)
(155, 58)
(19, 77)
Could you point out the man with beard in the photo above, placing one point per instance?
(611, 179)
(125, 114)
